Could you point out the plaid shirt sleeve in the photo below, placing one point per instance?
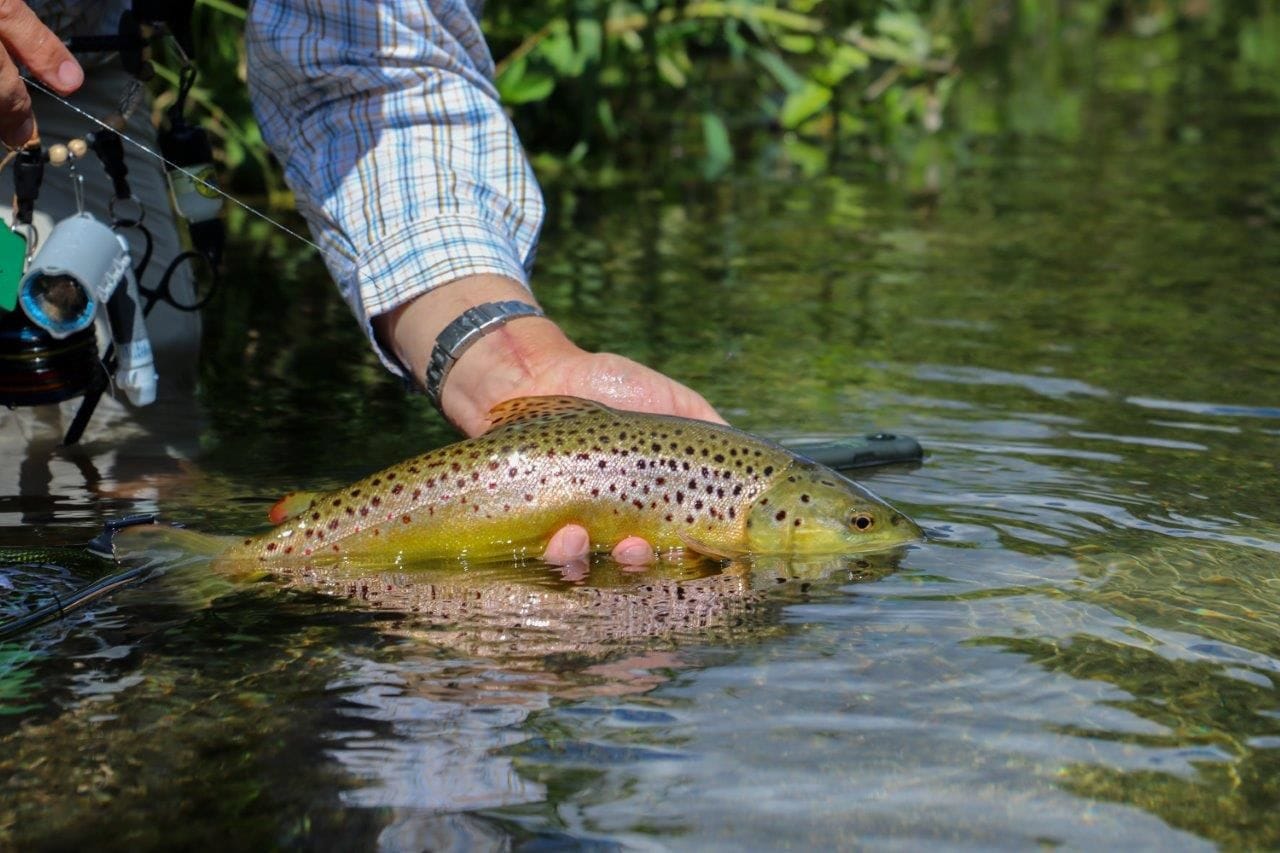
(392, 137)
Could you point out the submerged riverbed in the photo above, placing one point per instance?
(1085, 651)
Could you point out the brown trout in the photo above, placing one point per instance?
(551, 461)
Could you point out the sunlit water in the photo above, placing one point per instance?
(1085, 651)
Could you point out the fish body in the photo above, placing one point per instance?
(552, 461)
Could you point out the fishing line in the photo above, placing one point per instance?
(170, 165)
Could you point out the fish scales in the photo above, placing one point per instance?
(552, 461)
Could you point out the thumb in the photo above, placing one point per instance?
(34, 45)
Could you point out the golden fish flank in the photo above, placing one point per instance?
(551, 461)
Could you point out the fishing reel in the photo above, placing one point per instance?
(72, 315)
(78, 321)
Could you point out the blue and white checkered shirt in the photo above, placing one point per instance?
(393, 139)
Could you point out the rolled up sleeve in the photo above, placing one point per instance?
(392, 137)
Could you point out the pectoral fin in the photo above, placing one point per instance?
(291, 505)
(703, 548)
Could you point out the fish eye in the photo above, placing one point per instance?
(862, 521)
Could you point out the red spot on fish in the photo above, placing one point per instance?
(271, 546)
(405, 519)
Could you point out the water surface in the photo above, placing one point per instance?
(1085, 652)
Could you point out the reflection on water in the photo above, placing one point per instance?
(1084, 652)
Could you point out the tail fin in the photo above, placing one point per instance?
(161, 542)
(187, 559)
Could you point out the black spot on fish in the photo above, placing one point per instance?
(804, 499)
(768, 469)
(782, 513)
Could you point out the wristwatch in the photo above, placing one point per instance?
(470, 326)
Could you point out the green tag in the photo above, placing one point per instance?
(13, 256)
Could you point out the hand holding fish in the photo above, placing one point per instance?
(526, 358)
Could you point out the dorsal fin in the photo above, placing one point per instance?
(292, 504)
(527, 408)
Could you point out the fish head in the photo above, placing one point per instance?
(810, 509)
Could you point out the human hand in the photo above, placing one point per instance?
(28, 42)
(531, 357)
(618, 382)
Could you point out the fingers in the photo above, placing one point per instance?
(30, 43)
(633, 551)
(34, 45)
(571, 544)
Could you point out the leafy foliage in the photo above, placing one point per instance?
(602, 87)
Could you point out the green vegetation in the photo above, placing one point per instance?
(600, 89)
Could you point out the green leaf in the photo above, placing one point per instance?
(604, 114)
(797, 43)
(558, 51)
(517, 85)
(590, 39)
(669, 71)
(719, 150)
(803, 104)
(786, 76)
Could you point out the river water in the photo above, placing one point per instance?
(1085, 651)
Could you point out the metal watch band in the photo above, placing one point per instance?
(470, 326)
